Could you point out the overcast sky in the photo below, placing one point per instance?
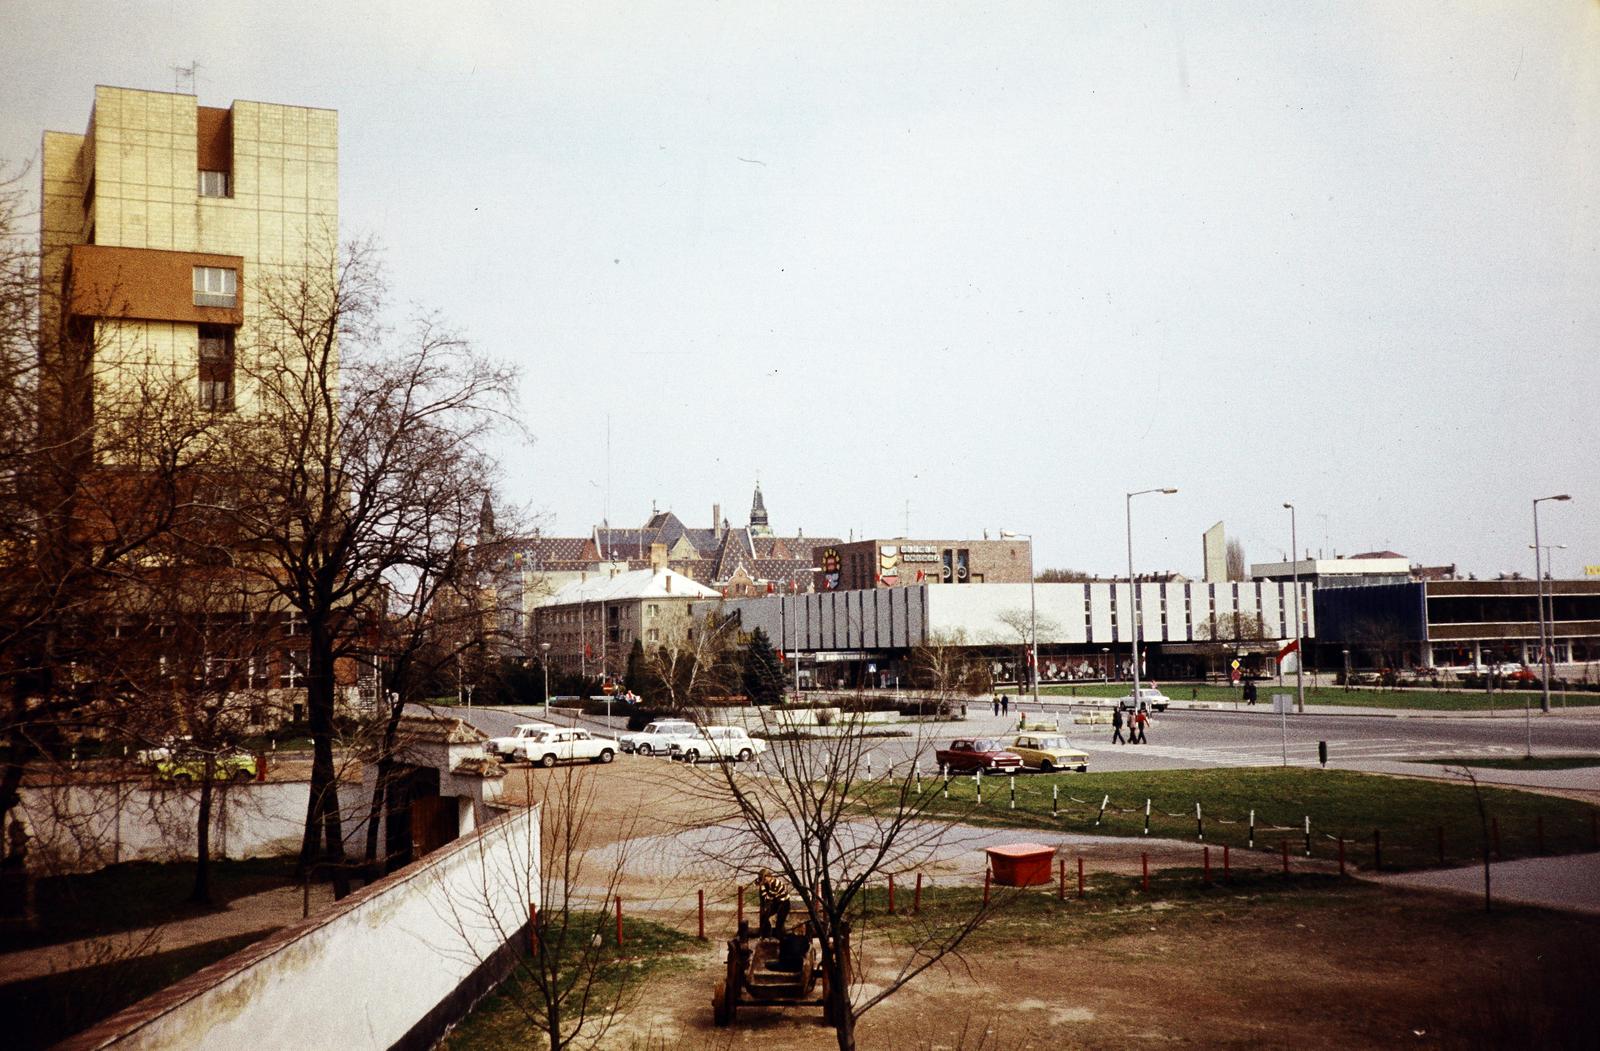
(998, 264)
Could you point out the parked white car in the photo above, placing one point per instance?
(718, 743)
(562, 745)
(1152, 697)
(511, 747)
(656, 739)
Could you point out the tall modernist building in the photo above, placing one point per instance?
(160, 222)
(162, 227)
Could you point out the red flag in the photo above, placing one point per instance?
(921, 576)
(1289, 647)
(769, 587)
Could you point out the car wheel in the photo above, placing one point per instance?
(242, 775)
(548, 761)
(1046, 767)
(745, 755)
(691, 756)
(1083, 768)
(183, 779)
(605, 756)
(644, 749)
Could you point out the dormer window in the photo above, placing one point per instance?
(215, 184)
(216, 286)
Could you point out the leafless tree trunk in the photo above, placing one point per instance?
(817, 814)
(358, 437)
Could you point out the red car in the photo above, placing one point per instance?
(966, 754)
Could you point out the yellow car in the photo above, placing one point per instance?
(1050, 752)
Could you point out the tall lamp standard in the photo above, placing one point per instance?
(1299, 649)
(1133, 587)
(1538, 576)
(1033, 609)
(544, 660)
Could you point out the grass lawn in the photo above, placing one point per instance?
(1359, 697)
(1408, 814)
(41, 1011)
(1538, 762)
(140, 894)
(504, 1018)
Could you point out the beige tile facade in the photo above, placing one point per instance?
(131, 181)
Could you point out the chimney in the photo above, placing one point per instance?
(658, 556)
(668, 581)
(716, 520)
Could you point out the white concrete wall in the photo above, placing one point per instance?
(361, 975)
(892, 618)
(84, 827)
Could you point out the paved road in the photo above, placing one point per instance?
(1363, 739)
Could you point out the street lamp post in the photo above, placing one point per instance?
(1538, 576)
(1133, 587)
(1033, 610)
(544, 660)
(1299, 647)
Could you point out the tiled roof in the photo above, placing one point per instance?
(635, 584)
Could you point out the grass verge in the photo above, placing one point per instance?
(41, 1011)
(1419, 823)
(1538, 762)
(139, 894)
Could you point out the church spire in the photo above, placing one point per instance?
(758, 515)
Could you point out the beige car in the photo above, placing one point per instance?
(1050, 752)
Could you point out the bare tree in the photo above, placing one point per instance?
(1021, 624)
(692, 663)
(1222, 635)
(356, 439)
(821, 818)
(944, 664)
(94, 468)
(1062, 576)
(1234, 555)
(190, 677)
(572, 985)
(448, 601)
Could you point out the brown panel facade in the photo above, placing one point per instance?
(147, 284)
(213, 139)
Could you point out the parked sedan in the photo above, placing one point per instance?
(1048, 752)
(511, 746)
(656, 739)
(187, 767)
(967, 754)
(549, 747)
(1149, 696)
(718, 743)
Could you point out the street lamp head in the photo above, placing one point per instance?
(1559, 496)
(544, 647)
(1169, 492)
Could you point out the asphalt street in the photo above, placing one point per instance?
(1364, 739)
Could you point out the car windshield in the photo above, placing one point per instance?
(986, 746)
(1050, 742)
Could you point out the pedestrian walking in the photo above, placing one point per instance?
(1249, 691)
(1116, 726)
(1140, 721)
(997, 705)
(1005, 705)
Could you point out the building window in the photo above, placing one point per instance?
(216, 368)
(216, 286)
(216, 395)
(214, 184)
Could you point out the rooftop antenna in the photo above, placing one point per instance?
(191, 73)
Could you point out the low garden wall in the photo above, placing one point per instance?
(391, 966)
